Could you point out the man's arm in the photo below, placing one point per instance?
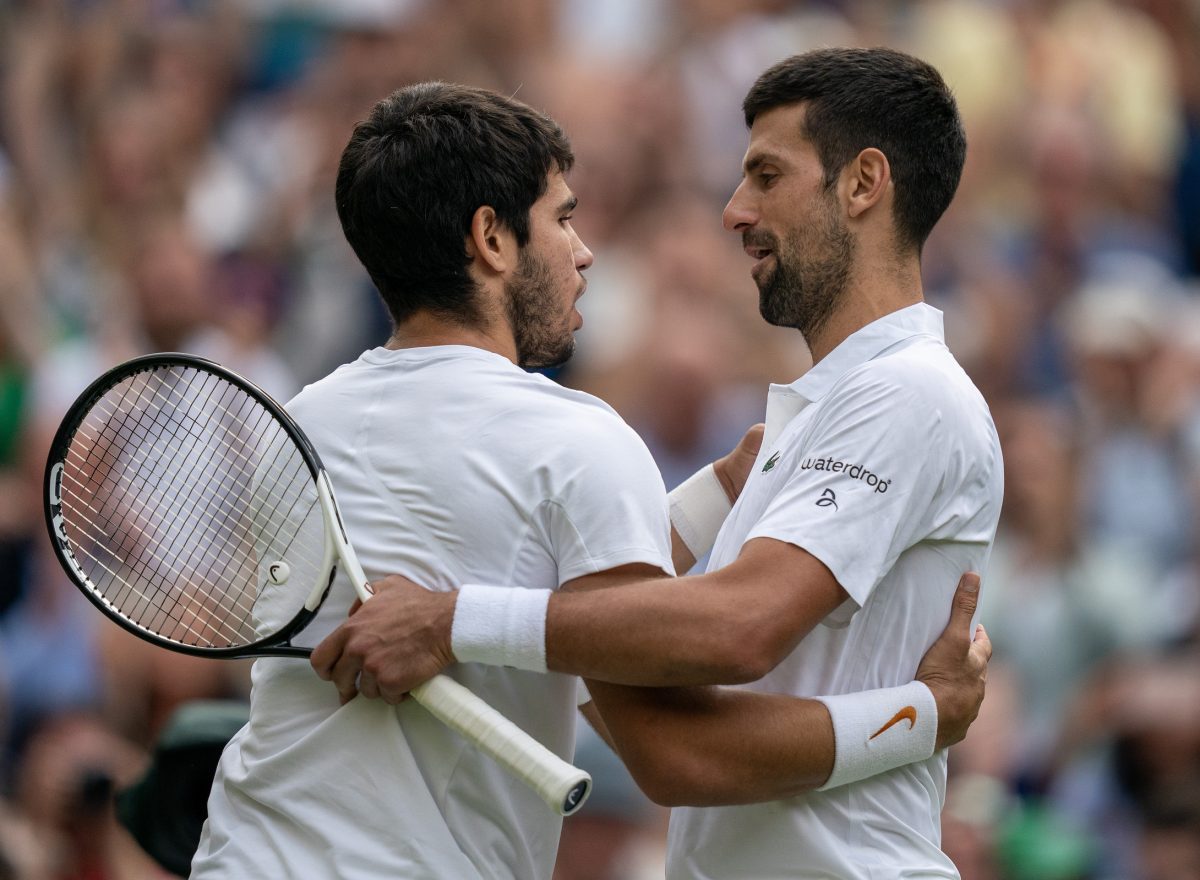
(718, 746)
(707, 746)
(728, 626)
(725, 627)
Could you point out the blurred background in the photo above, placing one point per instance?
(166, 180)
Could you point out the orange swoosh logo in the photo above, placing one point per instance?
(908, 713)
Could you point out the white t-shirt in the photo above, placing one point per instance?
(883, 462)
(451, 466)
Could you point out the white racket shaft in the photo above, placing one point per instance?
(561, 785)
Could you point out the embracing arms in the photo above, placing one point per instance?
(689, 745)
(713, 746)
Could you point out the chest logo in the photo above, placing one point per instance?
(770, 462)
(828, 499)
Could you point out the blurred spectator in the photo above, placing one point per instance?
(165, 809)
(22, 342)
(1058, 600)
(1116, 329)
(65, 789)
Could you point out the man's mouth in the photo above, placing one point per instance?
(576, 315)
(760, 255)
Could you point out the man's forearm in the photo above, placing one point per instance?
(717, 746)
(728, 626)
(664, 632)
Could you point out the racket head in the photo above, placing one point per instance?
(181, 500)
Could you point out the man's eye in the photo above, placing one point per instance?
(767, 179)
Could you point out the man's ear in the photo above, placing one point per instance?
(490, 241)
(866, 180)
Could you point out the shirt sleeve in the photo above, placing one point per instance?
(861, 483)
(610, 506)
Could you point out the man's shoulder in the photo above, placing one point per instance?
(917, 394)
(923, 371)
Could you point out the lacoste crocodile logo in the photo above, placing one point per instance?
(770, 462)
(908, 713)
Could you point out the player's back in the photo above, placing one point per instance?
(451, 465)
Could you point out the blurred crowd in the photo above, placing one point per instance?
(166, 180)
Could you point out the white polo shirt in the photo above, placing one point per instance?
(883, 462)
(451, 466)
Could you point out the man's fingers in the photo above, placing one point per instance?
(981, 639)
(368, 686)
(326, 654)
(751, 441)
(345, 677)
(966, 601)
(390, 582)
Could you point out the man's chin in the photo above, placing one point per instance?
(768, 307)
(547, 360)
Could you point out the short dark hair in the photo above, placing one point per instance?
(860, 98)
(415, 172)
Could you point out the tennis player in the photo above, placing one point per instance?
(878, 481)
(452, 464)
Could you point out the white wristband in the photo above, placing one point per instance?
(500, 626)
(698, 507)
(880, 730)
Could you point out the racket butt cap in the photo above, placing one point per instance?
(577, 796)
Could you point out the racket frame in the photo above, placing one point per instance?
(563, 787)
(278, 643)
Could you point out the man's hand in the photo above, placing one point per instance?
(733, 470)
(955, 667)
(389, 645)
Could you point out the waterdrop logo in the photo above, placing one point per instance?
(853, 471)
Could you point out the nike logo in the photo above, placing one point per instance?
(908, 713)
(770, 462)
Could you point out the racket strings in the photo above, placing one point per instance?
(207, 500)
(177, 566)
(172, 481)
(228, 478)
(216, 489)
(180, 490)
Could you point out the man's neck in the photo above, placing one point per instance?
(866, 299)
(425, 329)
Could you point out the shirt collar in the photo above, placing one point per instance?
(865, 343)
(785, 401)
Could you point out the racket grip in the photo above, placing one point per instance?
(559, 784)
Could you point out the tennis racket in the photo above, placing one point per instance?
(188, 507)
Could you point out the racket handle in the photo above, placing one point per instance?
(559, 784)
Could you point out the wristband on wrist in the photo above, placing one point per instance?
(698, 507)
(880, 730)
(500, 626)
